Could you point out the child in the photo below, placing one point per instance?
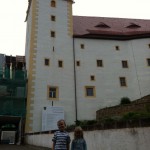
(61, 139)
(78, 142)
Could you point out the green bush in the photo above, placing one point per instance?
(148, 108)
(107, 120)
(85, 122)
(125, 100)
(130, 116)
(135, 115)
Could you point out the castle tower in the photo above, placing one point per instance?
(49, 58)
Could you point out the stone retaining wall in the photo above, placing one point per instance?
(136, 106)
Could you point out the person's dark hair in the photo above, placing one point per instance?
(61, 120)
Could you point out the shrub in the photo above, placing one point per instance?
(125, 100)
(91, 122)
(107, 120)
(130, 116)
(147, 107)
(85, 122)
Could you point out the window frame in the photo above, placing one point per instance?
(49, 92)
(117, 48)
(93, 92)
(125, 64)
(53, 3)
(148, 62)
(47, 60)
(82, 46)
(60, 64)
(123, 81)
(53, 34)
(99, 62)
(92, 77)
(78, 63)
(53, 18)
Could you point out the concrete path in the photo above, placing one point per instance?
(21, 147)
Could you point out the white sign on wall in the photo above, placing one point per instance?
(50, 116)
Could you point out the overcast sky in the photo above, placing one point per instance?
(13, 13)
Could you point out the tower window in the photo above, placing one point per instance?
(53, 3)
(60, 63)
(123, 81)
(78, 63)
(148, 61)
(53, 18)
(52, 92)
(53, 48)
(82, 46)
(92, 78)
(124, 64)
(99, 63)
(52, 33)
(117, 48)
(46, 62)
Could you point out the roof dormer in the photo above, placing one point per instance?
(133, 26)
(102, 25)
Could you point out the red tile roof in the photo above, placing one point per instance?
(110, 28)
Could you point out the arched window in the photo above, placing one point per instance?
(53, 3)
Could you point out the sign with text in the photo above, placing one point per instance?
(50, 116)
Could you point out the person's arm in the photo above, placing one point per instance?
(85, 145)
(53, 146)
(68, 142)
(54, 141)
(68, 146)
(72, 145)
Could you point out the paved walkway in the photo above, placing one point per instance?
(21, 147)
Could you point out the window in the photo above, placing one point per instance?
(46, 62)
(99, 63)
(117, 48)
(52, 34)
(52, 92)
(148, 61)
(60, 63)
(123, 81)
(53, 3)
(92, 78)
(82, 46)
(124, 64)
(78, 63)
(90, 91)
(53, 18)
(53, 48)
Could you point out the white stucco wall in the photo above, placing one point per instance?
(120, 139)
(107, 84)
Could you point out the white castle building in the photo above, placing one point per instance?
(82, 63)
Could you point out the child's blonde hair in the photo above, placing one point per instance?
(78, 132)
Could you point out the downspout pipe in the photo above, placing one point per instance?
(75, 86)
